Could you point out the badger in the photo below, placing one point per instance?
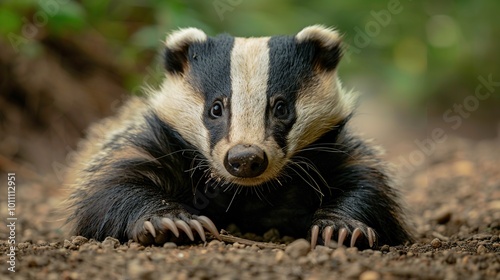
(246, 131)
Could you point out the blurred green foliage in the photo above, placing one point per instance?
(428, 51)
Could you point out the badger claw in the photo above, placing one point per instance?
(184, 227)
(209, 225)
(354, 236)
(360, 234)
(372, 238)
(158, 230)
(327, 235)
(314, 235)
(342, 235)
(149, 227)
(194, 224)
(169, 224)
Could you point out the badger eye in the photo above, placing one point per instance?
(280, 109)
(216, 110)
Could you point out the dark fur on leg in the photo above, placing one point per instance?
(361, 195)
(139, 178)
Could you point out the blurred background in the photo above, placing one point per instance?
(420, 66)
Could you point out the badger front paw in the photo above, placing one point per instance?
(341, 229)
(174, 226)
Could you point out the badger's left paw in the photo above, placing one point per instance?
(174, 227)
(339, 228)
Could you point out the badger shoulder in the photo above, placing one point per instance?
(105, 137)
(365, 163)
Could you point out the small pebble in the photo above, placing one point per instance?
(482, 236)
(353, 271)
(280, 254)
(169, 245)
(79, 240)
(352, 250)
(42, 243)
(89, 247)
(384, 249)
(481, 249)
(272, 235)
(414, 247)
(450, 258)
(287, 239)
(251, 236)
(136, 246)
(138, 270)
(67, 243)
(215, 243)
(298, 248)
(443, 216)
(323, 249)
(436, 243)
(23, 245)
(110, 242)
(340, 254)
(369, 275)
(377, 254)
(253, 248)
(239, 245)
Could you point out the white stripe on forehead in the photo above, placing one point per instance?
(249, 75)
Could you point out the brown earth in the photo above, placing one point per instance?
(454, 200)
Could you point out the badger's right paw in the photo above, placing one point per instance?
(172, 227)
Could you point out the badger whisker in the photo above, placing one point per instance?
(204, 175)
(257, 191)
(314, 185)
(238, 189)
(171, 154)
(310, 165)
(325, 149)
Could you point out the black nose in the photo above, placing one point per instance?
(245, 161)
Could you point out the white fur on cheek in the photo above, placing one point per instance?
(183, 109)
(318, 110)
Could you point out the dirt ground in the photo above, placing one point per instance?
(454, 200)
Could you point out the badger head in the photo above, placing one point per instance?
(249, 104)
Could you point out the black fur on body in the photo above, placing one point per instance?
(147, 170)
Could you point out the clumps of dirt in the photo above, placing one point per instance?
(80, 258)
(454, 201)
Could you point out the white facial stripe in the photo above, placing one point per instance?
(249, 75)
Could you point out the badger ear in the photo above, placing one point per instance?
(326, 43)
(177, 47)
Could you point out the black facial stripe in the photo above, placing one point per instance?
(210, 73)
(290, 67)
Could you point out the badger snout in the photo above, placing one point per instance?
(245, 161)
